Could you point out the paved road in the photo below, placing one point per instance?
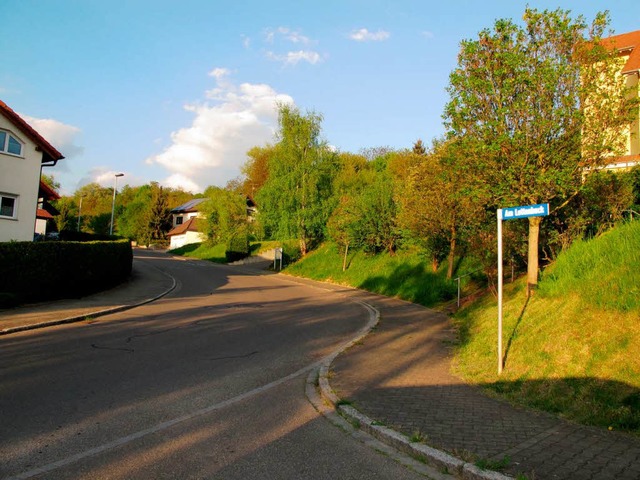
(207, 382)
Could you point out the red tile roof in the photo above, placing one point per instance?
(190, 225)
(50, 153)
(627, 44)
(47, 192)
(43, 214)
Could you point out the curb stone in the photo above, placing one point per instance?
(84, 316)
(437, 458)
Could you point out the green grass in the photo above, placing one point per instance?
(405, 275)
(203, 251)
(603, 271)
(574, 348)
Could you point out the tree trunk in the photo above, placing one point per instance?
(434, 264)
(344, 260)
(532, 267)
(303, 247)
(452, 253)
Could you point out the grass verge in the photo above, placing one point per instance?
(574, 348)
(404, 275)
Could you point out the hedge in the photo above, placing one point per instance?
(37, 271)
(238, 246)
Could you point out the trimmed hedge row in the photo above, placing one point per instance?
(37, 271)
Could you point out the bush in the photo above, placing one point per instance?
(37, 271)
(238, 246)
(74, 236)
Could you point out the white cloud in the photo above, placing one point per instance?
(283, 33)
(106, 177)
(246, 41)
(364, 35)
(219, 72)
(177, 180)
(292, 58)
(231, 120)
(428, 34)
(62, 136)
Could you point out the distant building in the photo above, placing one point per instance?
(185, 224)
(23, 153)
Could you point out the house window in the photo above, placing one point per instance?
(178, 220)
(8, 205)
(10, 144)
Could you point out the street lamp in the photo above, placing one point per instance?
(113, 202)
(80, 212)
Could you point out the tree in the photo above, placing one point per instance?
(296, 199)
(533, 107)
(439, 204)
(418, 148)
(256, 169)
(225, 213)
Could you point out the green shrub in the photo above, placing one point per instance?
(238, 246)
(37, 271)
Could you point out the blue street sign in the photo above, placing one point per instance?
(511, 213)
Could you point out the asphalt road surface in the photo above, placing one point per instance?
(207, 382)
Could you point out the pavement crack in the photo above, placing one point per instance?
(234, 356)
(100, 347)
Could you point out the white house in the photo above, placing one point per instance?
(185, 224)
(45, 210)
(23, 153)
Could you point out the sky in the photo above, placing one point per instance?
(178, 92)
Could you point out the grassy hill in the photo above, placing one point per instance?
(405, 275)
(574, 348)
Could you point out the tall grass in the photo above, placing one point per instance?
(404, 275)
(605, 271)
(574, 348)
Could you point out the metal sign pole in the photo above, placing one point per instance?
(499, 291)
(511, 213)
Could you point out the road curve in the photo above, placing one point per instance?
(207, 382)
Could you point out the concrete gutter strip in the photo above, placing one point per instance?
(400, 442)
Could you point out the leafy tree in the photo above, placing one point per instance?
(256, 169)
(533, 106)
(439, 204)
(67, 218)
(296, 199)
(376, 210)
(225, 213)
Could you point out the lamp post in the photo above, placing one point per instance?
(113, 202)
(80, 211)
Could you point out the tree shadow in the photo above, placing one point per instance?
(514, 332)
(414, 283)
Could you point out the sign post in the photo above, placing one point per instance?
(277, 256)
(511, 213)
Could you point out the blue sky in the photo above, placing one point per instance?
(177, 92)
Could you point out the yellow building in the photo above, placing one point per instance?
(628, 48)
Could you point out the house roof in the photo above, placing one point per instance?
(190, 225)
(43, 214)
(47, 192)
(190, 206)
(49, 152)
(627, 44)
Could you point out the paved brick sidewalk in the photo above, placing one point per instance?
(400, 376)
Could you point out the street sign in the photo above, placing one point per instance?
(511, 213)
